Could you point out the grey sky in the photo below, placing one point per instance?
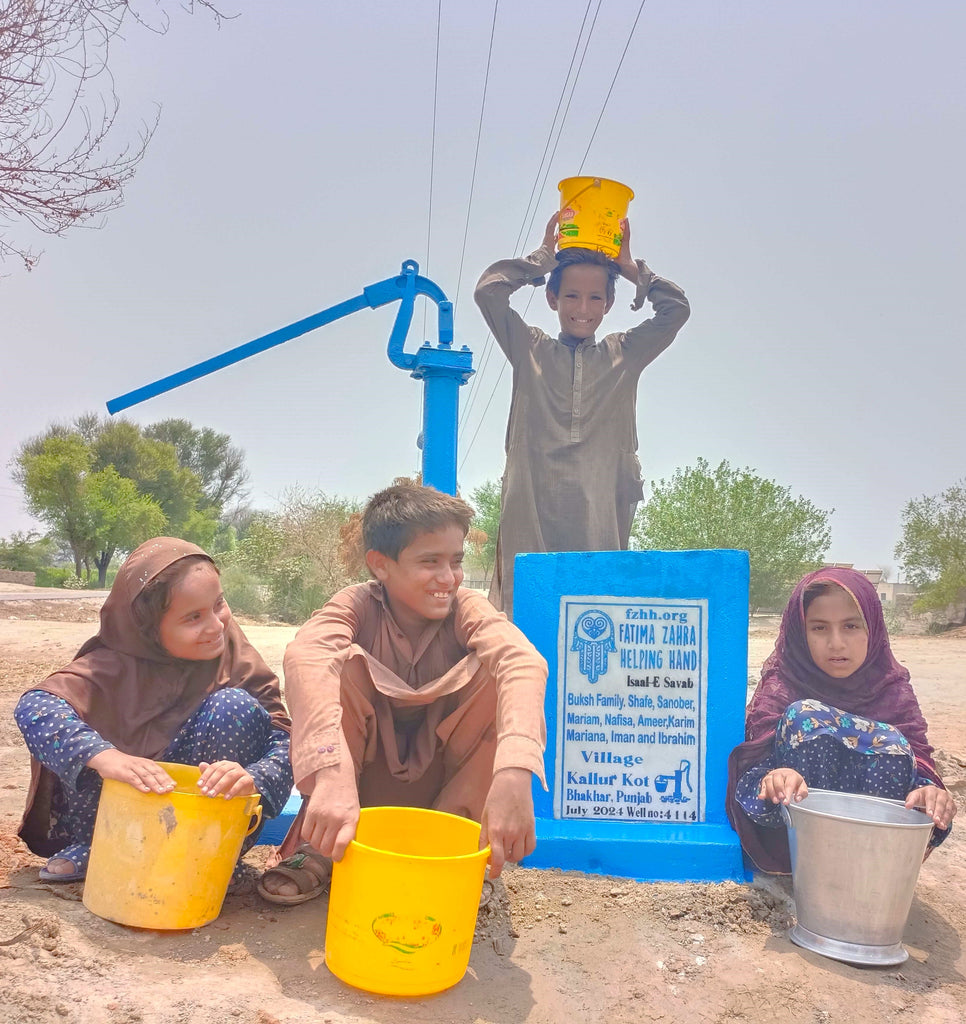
(798, 168)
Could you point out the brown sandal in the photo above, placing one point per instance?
(307, 868)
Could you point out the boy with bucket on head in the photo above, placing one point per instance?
(410, 690)
(572, 479)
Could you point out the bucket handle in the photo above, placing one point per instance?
(594, 184)
(254, 810)
(786, 816)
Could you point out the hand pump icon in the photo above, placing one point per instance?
(442, 368)
(681, 774)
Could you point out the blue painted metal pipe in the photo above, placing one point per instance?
(442, 369)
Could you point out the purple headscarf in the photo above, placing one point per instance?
(879, 689)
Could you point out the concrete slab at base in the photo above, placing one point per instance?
(665, 853)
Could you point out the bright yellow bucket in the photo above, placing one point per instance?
(165, 861)
(591, 210)
(403, 901)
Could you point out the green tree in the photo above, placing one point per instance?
(297, 555)
(933, 546)
(211, 456)
(726, 507)
(52, 472)
(153, 466)
(103, 487)
(485, 500)
(121, 517)
(27, 552)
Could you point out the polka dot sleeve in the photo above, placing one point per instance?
(56, 735)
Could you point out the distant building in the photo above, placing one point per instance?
(889, 593)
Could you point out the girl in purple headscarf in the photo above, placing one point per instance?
(834, 710)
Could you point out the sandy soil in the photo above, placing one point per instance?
(552, 947)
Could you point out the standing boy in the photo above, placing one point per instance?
(410, 690)
(573, 479)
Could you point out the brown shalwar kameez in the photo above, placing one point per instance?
(572, 478)
(426, 724)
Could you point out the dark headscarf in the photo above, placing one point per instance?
(879, 689)
(123, 684)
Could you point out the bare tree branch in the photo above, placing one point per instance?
(60, 163)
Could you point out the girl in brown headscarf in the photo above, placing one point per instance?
(169, 677)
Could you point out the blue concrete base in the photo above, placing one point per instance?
(276, 829)
(657, 853)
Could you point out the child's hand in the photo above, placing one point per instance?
(140, 772)
(782, 786)
(332, 813)
(626, 263)
(225, 778)
(550, 235)
(508, 825)
(937, 803)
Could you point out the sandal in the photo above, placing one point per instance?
(307, 868)
(78, 854)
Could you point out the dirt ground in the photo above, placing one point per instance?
(553, 947)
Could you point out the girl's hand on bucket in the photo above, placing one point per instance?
(782, 786)
(225, 778)
(937, 803)
(140, 772)
(508, 826)
(550, 235)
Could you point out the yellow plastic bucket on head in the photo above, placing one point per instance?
(403, 901)
(591, 210)
(165, 860)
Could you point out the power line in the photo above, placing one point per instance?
(476, 157)
(476, 382)
(429, 218)
(432, 159)
(617, 71)
(627, 44)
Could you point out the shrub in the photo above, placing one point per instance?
(244, 593)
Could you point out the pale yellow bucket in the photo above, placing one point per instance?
(165, 861)
(403, 901)
(591, 210)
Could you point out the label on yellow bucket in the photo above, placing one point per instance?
(406, 934)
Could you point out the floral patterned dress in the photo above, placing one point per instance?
(832, 749)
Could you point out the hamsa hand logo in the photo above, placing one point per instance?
(594, 639)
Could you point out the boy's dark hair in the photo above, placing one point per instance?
(153, 601)
(396, 516)
(572, 257)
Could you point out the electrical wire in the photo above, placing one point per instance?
(617, 71)
(538, 184)
(429, 218)
(476, 156)
(432, 159)
(627, 44)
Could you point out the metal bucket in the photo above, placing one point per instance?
(855, 863)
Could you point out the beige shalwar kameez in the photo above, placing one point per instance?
(426, 724)
(572, 477)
